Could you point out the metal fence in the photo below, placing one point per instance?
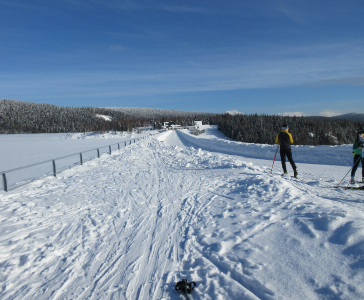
(18, 177)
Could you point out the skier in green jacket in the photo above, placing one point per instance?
(358, 154)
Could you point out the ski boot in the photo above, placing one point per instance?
(295, 174)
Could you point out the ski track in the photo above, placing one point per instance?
(131, 224)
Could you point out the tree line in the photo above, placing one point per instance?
(27, 117)
(263, 129)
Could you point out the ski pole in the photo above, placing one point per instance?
(348, 172)
(274, 159)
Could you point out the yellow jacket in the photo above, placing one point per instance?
(284, 139)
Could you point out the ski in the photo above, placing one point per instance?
(350, 187)
(355, 187)
(289, 177)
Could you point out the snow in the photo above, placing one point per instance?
(104, 117)
(131, 224)
(19, 150)
(234, 112)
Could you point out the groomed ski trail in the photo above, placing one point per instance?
(132, 224)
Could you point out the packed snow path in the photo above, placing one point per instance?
(130, 225)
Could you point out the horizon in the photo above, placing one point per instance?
(273, 57)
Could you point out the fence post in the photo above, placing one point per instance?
(118, 146)
(98, 153)
(80, 158)
(110, 150)
(54, 168)
(5, 185)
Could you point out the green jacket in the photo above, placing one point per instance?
(356, 150)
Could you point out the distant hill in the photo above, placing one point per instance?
(350, 116)
(150, 113)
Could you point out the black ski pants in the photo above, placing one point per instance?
(288, 153)
(356, 163)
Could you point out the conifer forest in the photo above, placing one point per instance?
(26, 117)
(313, 131)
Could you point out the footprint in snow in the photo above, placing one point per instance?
(343, 234)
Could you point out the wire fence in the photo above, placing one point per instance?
(18, 177)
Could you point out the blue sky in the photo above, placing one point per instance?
(265, 57)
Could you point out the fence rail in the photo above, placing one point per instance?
(53, 168)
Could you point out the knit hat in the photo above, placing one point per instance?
(284, 126)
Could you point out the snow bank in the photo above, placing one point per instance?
(214, 141)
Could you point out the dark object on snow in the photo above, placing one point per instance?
(185, 286)
(350, 187)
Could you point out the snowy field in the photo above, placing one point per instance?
(131, 224)
(19, 150)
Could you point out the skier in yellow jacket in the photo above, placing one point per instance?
(284, 139)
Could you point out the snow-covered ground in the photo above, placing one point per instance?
(19, 150)
(131, 224)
